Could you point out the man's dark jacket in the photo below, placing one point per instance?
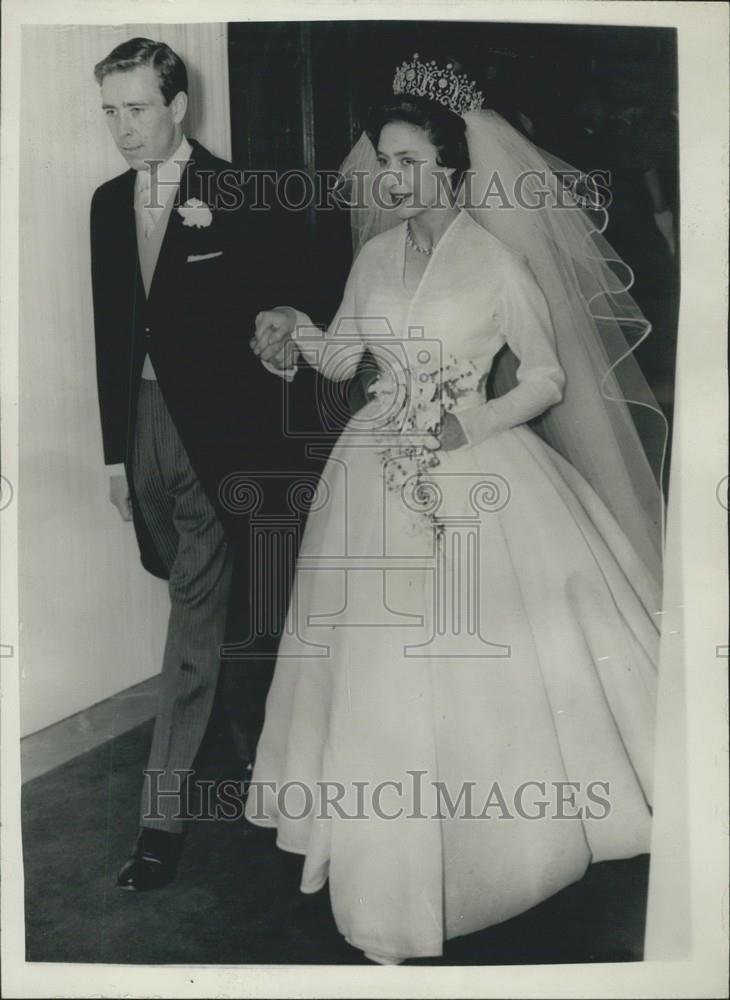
(196, 326)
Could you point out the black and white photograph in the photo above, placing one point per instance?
(364, 499)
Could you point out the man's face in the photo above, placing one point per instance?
(143, 127)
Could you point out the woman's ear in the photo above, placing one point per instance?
(447, 171)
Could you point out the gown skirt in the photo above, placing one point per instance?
(461, 718)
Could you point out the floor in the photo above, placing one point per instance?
(236, 898)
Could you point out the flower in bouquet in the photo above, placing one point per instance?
(419, 404)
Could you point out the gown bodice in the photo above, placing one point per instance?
(475, 297)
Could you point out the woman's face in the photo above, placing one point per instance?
(410, 179)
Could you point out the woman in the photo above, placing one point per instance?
(473, 625)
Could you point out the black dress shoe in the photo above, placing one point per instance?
(154, 861)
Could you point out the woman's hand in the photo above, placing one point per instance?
(273, 334)
(452, 434)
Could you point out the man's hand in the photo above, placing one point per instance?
(274, 329)
(119, 496)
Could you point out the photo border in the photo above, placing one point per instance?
(686, 911)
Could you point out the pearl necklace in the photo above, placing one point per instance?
(413, 245)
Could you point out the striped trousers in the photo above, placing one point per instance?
(190, 540)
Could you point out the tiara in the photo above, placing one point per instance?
(454, 90)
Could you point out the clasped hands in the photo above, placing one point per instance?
(273, 343)
(273, 336)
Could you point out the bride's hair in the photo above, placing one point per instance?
(445, 130)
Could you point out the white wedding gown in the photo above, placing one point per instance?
(519, 648)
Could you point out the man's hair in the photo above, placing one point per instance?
(171, 72)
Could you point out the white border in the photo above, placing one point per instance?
(697, 523)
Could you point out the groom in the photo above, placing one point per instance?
(178, 274)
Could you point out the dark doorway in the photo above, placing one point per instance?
(596, 96)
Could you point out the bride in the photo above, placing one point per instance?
(461, 717)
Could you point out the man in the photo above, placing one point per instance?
(178, 274)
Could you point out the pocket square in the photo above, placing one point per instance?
(193, 257)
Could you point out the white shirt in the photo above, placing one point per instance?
(154, 188)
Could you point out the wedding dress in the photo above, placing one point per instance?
(451, 660)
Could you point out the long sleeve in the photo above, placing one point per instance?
(527, 330)
(336, 352)
(112, 339)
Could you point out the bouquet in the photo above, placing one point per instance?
(421, 404)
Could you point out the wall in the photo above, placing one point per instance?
(92, 621)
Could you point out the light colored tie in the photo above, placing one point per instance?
(148, 222)
(147, 215)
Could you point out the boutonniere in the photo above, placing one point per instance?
(195, 213)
